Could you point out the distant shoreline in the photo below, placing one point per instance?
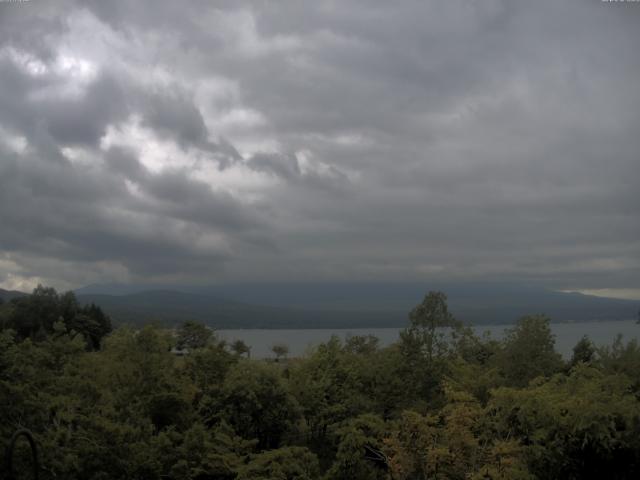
(473, 325)
(299, 340)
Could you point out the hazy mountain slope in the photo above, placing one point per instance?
(170, 307)
(349, 306)
(7, 295)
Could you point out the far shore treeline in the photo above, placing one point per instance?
(441, 403)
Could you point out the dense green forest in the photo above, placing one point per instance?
(441, 403)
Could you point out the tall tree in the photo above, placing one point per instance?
(428, 320)
(256, 403)
(583, 352)
(192, 335)
(529, 351)
(239, 347)
(280, 350)
(426, 345)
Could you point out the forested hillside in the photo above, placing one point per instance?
(441, 403)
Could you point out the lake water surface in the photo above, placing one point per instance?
(301, 341)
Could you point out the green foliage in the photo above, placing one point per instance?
(34, 316)
(208, 367)
(333, 385)
(427, 346)
(201, 453)
(254, 400)
(622, 358)
(289, 463)
(427, 331)
(193, 335)
(353, 439)
(362, 344)
(528, 352)
(584, 425)
(583, 352)
(240, 348)
(280, 350)
(441, 403)
(451, 444)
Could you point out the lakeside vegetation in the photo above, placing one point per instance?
(440, 403)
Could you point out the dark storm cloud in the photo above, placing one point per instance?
(285, 166)
(83, 120)
(323, 140)
(175, 115)
(77, 215)
(123, 161)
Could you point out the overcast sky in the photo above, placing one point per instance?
(207, 142)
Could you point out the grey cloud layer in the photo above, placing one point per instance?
(320, 140)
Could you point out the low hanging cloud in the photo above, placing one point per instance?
(170, 142)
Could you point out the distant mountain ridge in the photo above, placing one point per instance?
(171, 307)
(342, 305)
(7, 295)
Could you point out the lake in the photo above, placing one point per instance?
(300, 341)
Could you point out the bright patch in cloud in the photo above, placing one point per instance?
(25, 60)
(15, 143)
(210, 167)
